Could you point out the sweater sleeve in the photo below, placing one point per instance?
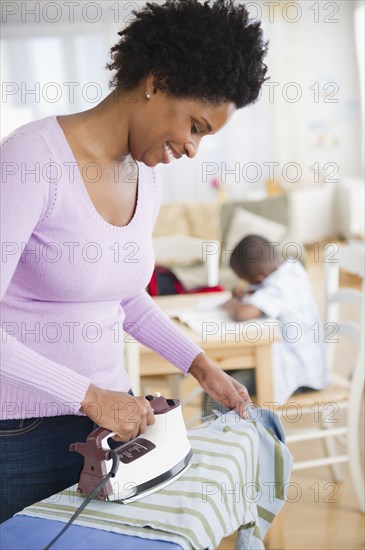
(154, 329)
(26, 195)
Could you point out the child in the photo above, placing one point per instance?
(280, 290)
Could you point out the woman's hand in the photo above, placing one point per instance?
(220, 386)
(118, 412)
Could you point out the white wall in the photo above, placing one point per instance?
(310, 42)
(325, 126)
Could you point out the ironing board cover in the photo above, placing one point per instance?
(236, 483)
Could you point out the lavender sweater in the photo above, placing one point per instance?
(70, 281)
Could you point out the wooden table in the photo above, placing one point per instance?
(228, 355)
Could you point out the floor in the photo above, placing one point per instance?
(319, 514)
(322, 516)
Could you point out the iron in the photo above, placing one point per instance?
(148, 463)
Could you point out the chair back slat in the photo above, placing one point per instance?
(349, 258)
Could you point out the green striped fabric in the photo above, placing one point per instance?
(235, 483)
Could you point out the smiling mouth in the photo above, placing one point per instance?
(171, 154)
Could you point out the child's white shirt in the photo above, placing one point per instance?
(299, 359)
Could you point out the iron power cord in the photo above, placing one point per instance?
(112, 473)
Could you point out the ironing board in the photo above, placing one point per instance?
(28, 533)
(235, 484)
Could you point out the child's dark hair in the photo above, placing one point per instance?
(207, 51)
(252, 256)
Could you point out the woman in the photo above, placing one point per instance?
(79, 203)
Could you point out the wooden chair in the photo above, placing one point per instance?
(345, 390)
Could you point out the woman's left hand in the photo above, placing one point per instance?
(220, 386)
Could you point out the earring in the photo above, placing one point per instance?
(148, 96)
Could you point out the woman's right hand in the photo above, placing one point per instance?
(118, 412)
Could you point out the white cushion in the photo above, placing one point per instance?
(245, 223)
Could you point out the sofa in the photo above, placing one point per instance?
(226, 222)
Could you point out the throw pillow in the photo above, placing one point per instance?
(245, 223)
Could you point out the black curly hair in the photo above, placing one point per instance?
(253, 255)
(206, 51)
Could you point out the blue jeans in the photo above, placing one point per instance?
(35, 461)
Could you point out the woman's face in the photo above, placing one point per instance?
(167, 128)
